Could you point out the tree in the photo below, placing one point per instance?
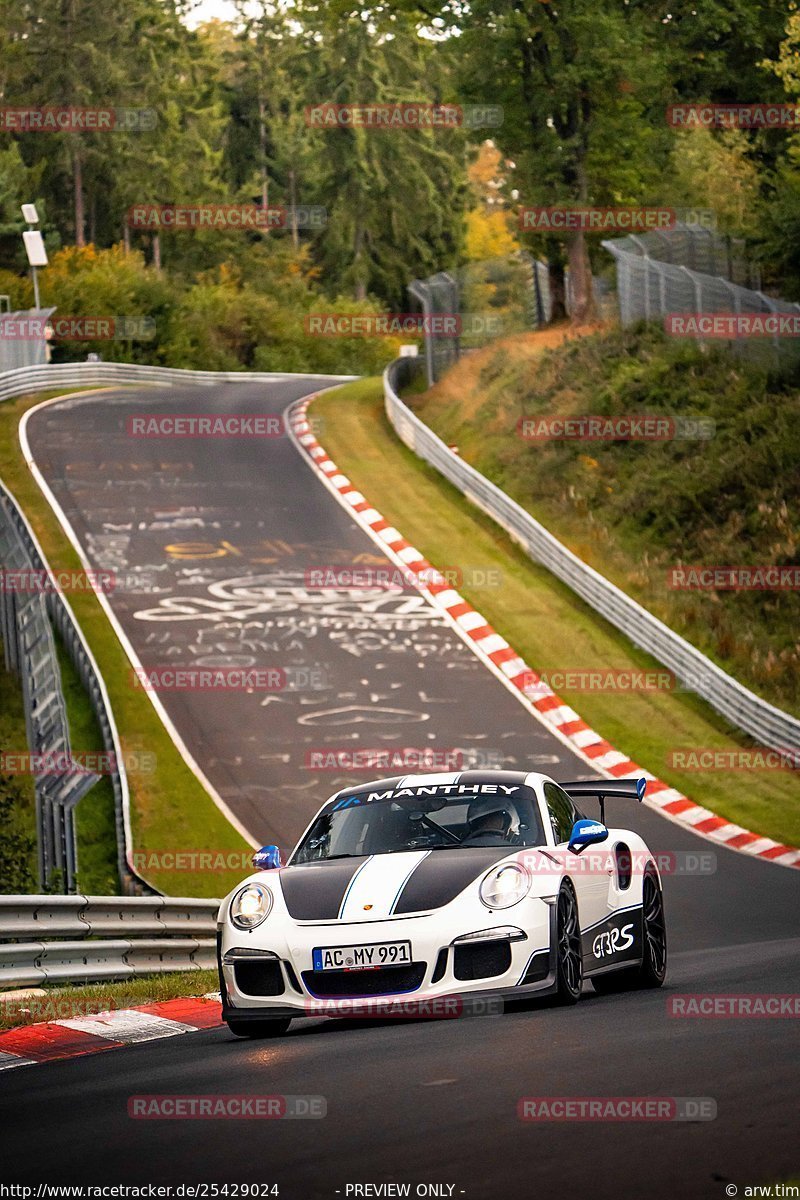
(73, 58)
(780, 241)
(575, 81)
(395, 197)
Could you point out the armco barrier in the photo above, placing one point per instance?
(58, 375)
(26, 623)
(745, 710)
(106, 937)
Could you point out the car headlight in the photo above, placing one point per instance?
(505, 886)
(250, 906)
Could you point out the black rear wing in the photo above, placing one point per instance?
(625, 789)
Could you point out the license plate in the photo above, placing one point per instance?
(360, 958)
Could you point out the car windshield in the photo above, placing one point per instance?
(456, 816)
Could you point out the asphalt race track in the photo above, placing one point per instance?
(227, 529)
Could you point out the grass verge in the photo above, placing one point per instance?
(644, 511)
(18, 867)
(540, 617)
(170, 810)
(57, 1004)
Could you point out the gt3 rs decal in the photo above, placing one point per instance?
(444, 874)
(315, 891)
(616, 939)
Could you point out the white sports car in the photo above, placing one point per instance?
(448, 888)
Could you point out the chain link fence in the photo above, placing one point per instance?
(696, 247)
(479, 302)
(655, 281)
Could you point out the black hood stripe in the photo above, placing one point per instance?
(315, 891)
(444, 874)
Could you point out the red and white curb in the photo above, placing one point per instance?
(501, 658)
(75, 1037)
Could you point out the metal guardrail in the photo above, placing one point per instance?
(104, 938)
(30, 652)
(57, 375)
(27, 619)
(745, 710)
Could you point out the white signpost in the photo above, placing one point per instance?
(34, 246)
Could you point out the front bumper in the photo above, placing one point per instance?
(443, 968)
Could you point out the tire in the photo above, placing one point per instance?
(258, 1029)
(651, 972)
(569, 956)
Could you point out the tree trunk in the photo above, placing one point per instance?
(77, 188)
(360, 289)
(293, 206)
(157, 251)
(581, 302)
(126, 237)
(262, 149)
(581, 306)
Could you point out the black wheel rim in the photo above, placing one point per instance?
(655, 930)
(569, 942)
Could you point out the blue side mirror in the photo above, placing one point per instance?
(268, 858)
(586, 833)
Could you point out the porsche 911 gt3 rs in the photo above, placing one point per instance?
(424, 887)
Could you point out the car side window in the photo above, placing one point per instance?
(563, 813)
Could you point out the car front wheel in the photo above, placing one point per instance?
(569, 958)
